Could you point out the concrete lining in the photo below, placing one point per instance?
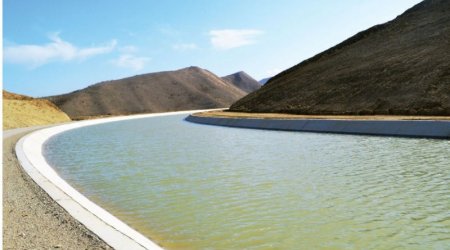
(110, 229)
(438, 129)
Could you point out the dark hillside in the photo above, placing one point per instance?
(399, 68)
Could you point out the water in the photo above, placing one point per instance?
(190, 186)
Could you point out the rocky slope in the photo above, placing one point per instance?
(24, 111)
(243, 81)
(185, 89)
(398, 68)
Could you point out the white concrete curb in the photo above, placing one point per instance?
(109, 228)
(439, 129)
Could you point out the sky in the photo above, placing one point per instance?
(54, 47)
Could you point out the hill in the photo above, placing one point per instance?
(24, 111)
(243, 81)
(185, 89)
(401, 67)
(264, 80)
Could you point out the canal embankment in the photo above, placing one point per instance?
(41, 210)
(400, 126)
(31, 218)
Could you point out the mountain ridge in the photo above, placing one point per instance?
(397, 68)
(183, 89)
(264, 80)
(243, 81)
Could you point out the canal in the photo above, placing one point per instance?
(191, 186)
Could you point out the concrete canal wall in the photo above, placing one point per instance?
(402, 128)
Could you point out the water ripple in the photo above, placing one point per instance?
(191, 186)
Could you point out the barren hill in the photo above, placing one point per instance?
(243, 81)
(185, 89)
(401, 67)
(264, 80)
(24, 111)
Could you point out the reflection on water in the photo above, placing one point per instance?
(190, 186)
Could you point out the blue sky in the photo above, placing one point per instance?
(53, 47)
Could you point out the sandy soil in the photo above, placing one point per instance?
(29, 112)
(31, 219)
(228, 114)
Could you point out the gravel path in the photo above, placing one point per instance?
(31, 219)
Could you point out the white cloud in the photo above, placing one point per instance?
(131, 61)
(233, 38)
(57, 50)
(184, 46)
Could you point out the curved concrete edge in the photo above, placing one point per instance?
(399, 128)
(110, 229)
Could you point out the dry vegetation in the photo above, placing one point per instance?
(23, 111)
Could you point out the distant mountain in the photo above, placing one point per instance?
(401, 67)
(24, 111)
(243, 81)
(264, 80)
(185, 89)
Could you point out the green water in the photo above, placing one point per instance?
(190, 186)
